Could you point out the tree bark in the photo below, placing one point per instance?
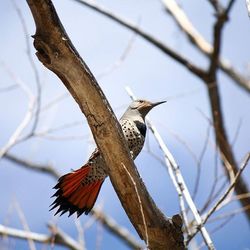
(57, 53)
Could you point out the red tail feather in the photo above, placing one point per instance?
(74, 194)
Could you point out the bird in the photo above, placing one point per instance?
(78, 190)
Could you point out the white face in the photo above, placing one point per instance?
(137, 104)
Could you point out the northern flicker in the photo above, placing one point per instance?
(78, 190)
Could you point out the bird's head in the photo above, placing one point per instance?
(142, 107)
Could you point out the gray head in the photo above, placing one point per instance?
(141, 108)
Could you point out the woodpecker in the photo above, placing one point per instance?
(77, 191)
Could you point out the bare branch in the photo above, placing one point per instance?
(80, 231)
(116, 229)
(24, 223)
(224, 196)
(226, 152)
(58, 236)
(62, 137)
(180, 194)
(218, 204)
(222, 17)
(58, 128)
(228, 214)
(200, 43)
(216, 5)
(224, 64)
(197, 180)
(141, 208)
(33, 67)
(213, 195)
(237, 132)
(99, 236)
(8, 88)
(14, 139)
(122, 58)
(213, 185)
(48, 169)
(152, 40)
(55, 101)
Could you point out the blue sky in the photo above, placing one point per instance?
(151, 75)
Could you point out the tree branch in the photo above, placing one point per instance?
(57, 236)
(15, 137)
(37, 103)
(226, 152)
(222, 17)
(227, 192)
(224, 196)
(57, 53)
(200, 43)
(152, 40)
(33, 166)
(205, 47)
(116, 229)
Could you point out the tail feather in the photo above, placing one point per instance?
(75, 195)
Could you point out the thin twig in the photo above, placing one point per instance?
(61, 137)
(48, 169)
(214, 184)
(227, 218)
(216, 5)
(33, 67)
(55, 101)
(173, 178)
(58, 236)
(8, 88)
(99, 236)
(225, 150)
(27, 117)
(159, 44)
(122, 58)
(197, 180)
(180, 194)
(238, 197)
(24, 223)
(219, 203)
(224, 196)
(229, 214)
(200, 43)
(59, 128)
(119, 231)
(140, 205)
(213, 195)
(186, 145)
(80, 232)
(222, 17)
(237, 132)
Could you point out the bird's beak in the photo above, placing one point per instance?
(157, 103)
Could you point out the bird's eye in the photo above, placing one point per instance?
(140, 101)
